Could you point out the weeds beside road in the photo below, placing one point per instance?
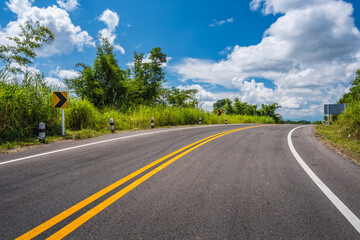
(342, 143)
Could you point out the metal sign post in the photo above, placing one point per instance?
(63, 121)
(60, 101)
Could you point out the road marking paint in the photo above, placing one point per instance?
(350, 216)
(92, 212)
(99, 142)
(58, 218)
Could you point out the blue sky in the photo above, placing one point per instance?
(300, 53)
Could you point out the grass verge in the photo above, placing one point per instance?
(18, 146)
(331, 136)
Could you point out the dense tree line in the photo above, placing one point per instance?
(242, 108)
(106, 84)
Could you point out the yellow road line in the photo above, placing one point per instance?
(92, 212)
(58, 218)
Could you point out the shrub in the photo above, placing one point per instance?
(349, 121)
(81, 114)
(23, 105)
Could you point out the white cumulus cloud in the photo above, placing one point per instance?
(309, 53)
(64, 74)
(111, 19)
(68, 5)
(54, 82)
(67, 35)
(221, 22)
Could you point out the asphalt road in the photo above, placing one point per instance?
(246, 184)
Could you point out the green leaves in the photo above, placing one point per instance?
(181, 97)
(242, 108)
(104, 84)
(148, 77)
(31, 37)
(354, 93)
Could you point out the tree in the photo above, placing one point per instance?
(181, 97)
(148, 77)
(105, 83)
(219, 104)
(354, 93)
(228, 107)
(269, 110)
(31, 37)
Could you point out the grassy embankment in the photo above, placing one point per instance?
(24, 106)
(344, 134)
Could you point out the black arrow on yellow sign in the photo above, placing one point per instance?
(60, 99)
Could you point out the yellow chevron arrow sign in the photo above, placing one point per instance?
(60, 100)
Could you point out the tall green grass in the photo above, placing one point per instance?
(24, 105)
(139, 118)
(348, 123)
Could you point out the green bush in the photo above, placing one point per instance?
(23, 105)
(81, 114)
(349, 121)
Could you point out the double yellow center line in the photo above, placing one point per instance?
(101, 206)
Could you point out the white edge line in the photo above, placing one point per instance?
(104, 141)
(350, 216)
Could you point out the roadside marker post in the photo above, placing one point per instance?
(152, 122)
(112, 125)
(226, 120)
(60, 101)
(42, 132)
(62, 122)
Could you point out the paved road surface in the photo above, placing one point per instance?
(244, 184)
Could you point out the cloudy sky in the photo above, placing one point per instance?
(298, 53)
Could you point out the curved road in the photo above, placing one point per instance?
(225, 182)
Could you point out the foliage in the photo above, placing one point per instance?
(242, 108)
(219, 104)
(349, 121)
(24, 105)
(81, 114)
(181, 97)
(343, 143)
(354, 93)
(344, 133)
(269, 110)
(148, 77)
(302, 122)
(31, 37)
(103, 84)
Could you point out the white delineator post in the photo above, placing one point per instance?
(112, 125)
(63, 121)
(42, 132)
(219, 119)
(152, 122)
